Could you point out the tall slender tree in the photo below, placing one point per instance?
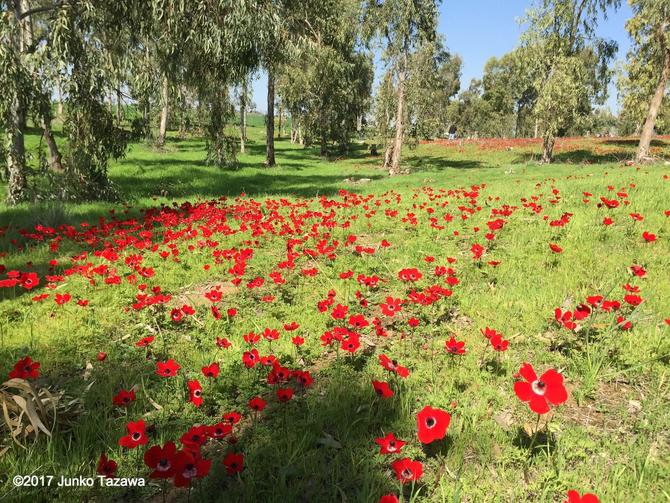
(646, 84)
(400, 26)
(561, 47)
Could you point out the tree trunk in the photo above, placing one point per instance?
(16, 126)
(517, 122)
(119, 109)
(279, 126)
(146, 111)
(162, 129)
(394, 167)
(323, 151)
(548, 148)
(16, 153)
(243, 115)
(654, 107)
(45, 118)
(293, 129)
(270, 123)
(537, 126)
(388, 155)
(60, 98)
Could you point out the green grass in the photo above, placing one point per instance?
(610, 438)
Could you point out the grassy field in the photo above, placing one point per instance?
(288, 244)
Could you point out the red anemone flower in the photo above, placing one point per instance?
(195, 393)
(145, 341)
(257, 404)
(219, 430)
(284, 394)
(391, 307)
(223, 342)
(648, 237)
(161, 460)
(189, 466)
(136, 435)
(124, 398)
(389, 444)
(25, 368)
(234, 463)
(382, 389)
(211, 370)
(106, 467)
(498, 343)
(548, 389)
(250, 358)
(232, 417)
(574, 497)
(407, 470)
(168, 368)
(455, 347)
(432, 424)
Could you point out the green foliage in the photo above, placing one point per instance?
(643, 65)
(433, 80)
(560, 43)
(326, 80)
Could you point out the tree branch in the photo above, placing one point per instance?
(38, 10)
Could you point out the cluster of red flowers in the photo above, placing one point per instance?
(623, 310)
(128, 253)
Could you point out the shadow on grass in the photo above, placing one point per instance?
(425, 164)
(581, 156)
(317, 447)
(543, 441)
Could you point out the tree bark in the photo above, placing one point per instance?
(243, 115)
(16, 153)
(270, 123)
(279, 117)
(293, 129)
(55, 158)
(146, 112)
(119, 109)
(60, 98)
(654, 107)
(16, 127)
(394, 167)
(162, 128)
(548, 148)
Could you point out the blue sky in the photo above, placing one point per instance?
(479, 29)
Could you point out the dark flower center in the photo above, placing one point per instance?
(136, 436)
(197, 393)
(539, 387)
(163, 465)
(430, 422)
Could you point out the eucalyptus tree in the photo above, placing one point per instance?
(400, 26)
(61, 42)
(570, 63)
(216, 45)
(645, 86)
(433, 81)
(326, 81)
(508, 87)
